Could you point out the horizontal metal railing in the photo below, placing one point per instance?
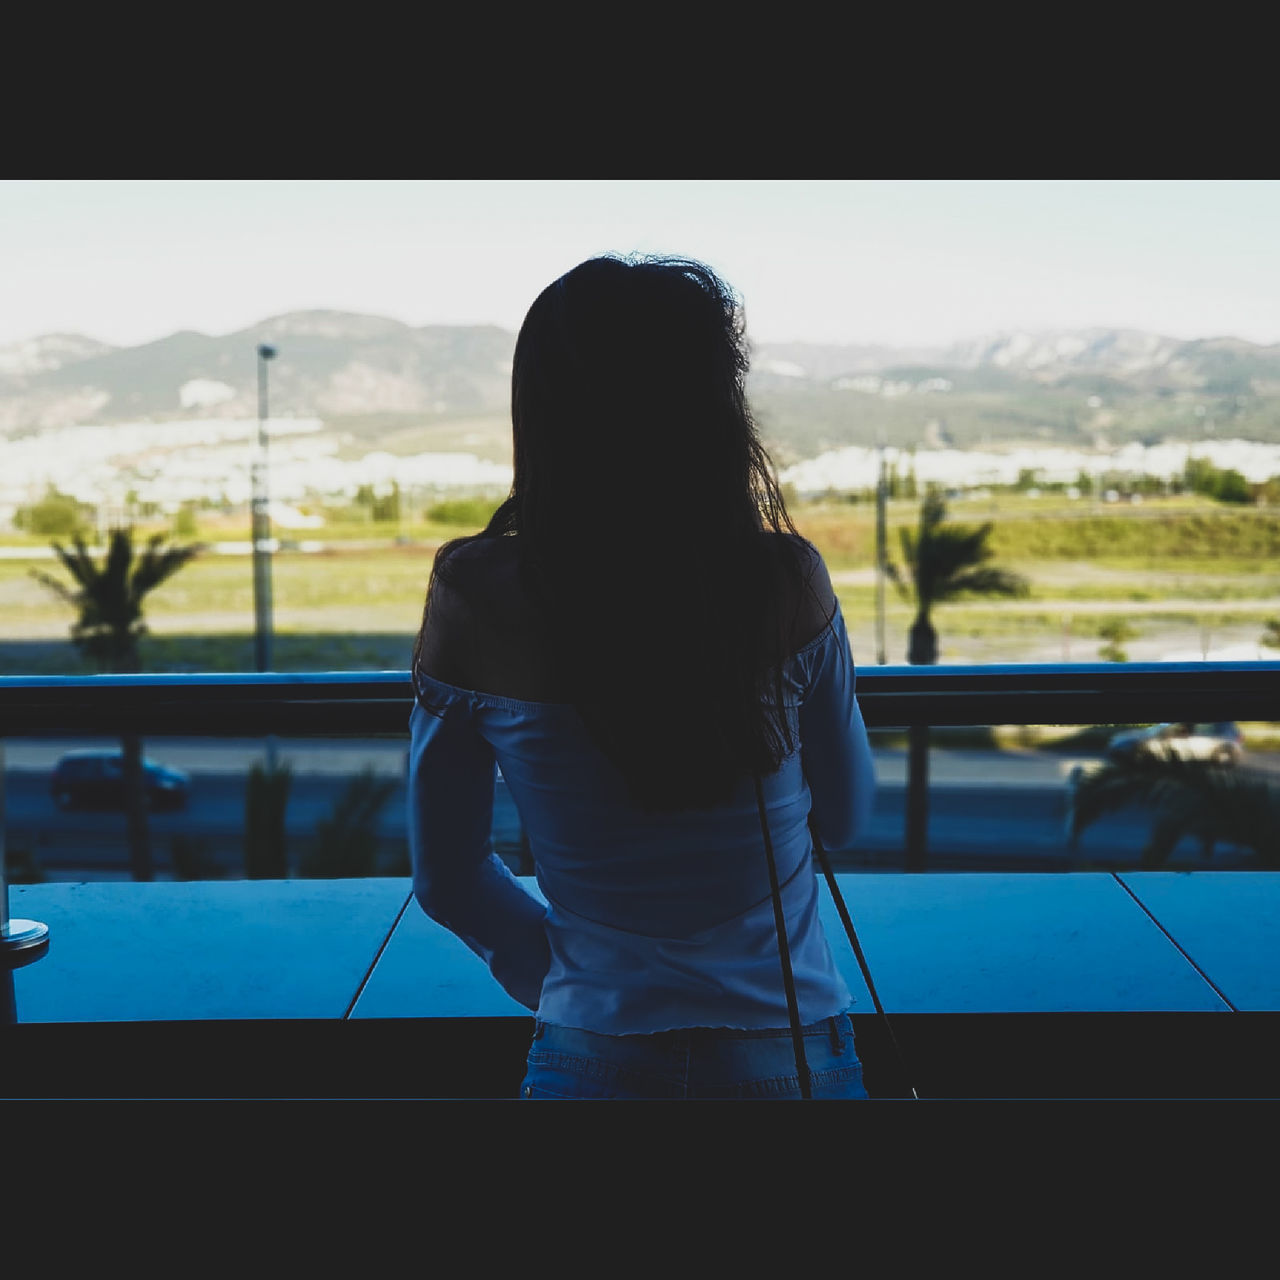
(343, 702)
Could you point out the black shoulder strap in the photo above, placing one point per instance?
(847, 920)
(784, 950)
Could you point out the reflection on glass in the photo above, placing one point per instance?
(1207, 794)
(217, 808)
(1178, 796)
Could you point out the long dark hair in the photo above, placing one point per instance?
(640, 505)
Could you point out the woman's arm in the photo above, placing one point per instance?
(833, 738)
(457, 878)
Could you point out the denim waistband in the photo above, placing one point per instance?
(825, 1026)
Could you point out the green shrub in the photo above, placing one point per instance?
(266, 797)
(1232, 487)
(56, 515)
(1115, 631)
(474, 513)
(347, 840)
(191, 859)
(184, 521)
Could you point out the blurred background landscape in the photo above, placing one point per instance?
(1127, 475)
(1080, 380)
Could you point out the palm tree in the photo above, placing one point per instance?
(944, 561)
(1115, 631)
(347, 840)
(108, 600)
(1187, 797)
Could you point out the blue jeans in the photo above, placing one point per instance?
(696, 1062)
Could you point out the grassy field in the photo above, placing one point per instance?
(1186, 574)
(1190, 533)
(338, 590)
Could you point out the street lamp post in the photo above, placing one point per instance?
(262, 526)
(881, 549)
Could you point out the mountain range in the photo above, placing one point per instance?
(400, 387)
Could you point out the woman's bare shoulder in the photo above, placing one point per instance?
(810, 599)
(476, 617)
(480, 569)
(478, 554)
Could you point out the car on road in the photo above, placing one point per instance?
(93, 779)
(1217, 743)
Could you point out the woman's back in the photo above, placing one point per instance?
(656, 919)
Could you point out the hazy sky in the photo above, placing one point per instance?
(897, 262)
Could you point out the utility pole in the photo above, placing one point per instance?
(262, 526)
(881, 550)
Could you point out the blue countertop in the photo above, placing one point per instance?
(935, 943)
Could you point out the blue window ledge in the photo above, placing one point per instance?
(1084, 985)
